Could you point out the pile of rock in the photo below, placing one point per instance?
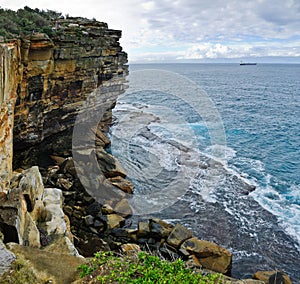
(32, 215)
(91, 221)
(174, 241)
(97, 226)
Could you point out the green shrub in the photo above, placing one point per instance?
(25, 21)
(143, 269)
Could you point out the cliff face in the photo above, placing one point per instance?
(43, 86)
(59, 74)
(10, 73)
(45, 81)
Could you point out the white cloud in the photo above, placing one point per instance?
(191, 29)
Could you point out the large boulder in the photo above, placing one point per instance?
(123, 208)
(143, 229)
(159, 228)
(16, 223)
(29, 213)
(55, 218)
(178, 235)
(210, 255)
(272, 277)
(109, 165)
(31, 184)
(114, 221)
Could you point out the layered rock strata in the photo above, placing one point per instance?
(46, 82)
(61, 73)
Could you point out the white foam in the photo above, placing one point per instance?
(221, 152)
(288, 213)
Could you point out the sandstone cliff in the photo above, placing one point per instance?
(43, 85)
(58, 76)
(44, 81)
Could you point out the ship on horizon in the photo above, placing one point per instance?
(247, 63)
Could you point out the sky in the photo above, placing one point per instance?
(192, 30)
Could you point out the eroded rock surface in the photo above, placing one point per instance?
(30, 214)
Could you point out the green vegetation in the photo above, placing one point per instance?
(142, 269)
(25, 21)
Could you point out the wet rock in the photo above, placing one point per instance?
(109, 165)
(210, 255)
(101, 139)
(178, 235)
(94, 208)
(91, 245)
(123, 208)
(58, 160)
(272, 277)
(68, 167)
(121, 183)
(77, 214)
(93, 230)
(120, 232)
(279, 278)
(88, 200)
(68, 210)
(99, 225)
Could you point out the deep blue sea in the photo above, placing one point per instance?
(217, 148)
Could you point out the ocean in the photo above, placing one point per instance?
(216, 147)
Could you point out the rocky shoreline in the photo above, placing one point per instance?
(65, 219)
(48, 220)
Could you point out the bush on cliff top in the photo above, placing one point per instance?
(25, 21)
(142, 268)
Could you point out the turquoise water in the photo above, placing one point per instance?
(260, 110)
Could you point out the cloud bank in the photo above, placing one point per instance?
(155, 30)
